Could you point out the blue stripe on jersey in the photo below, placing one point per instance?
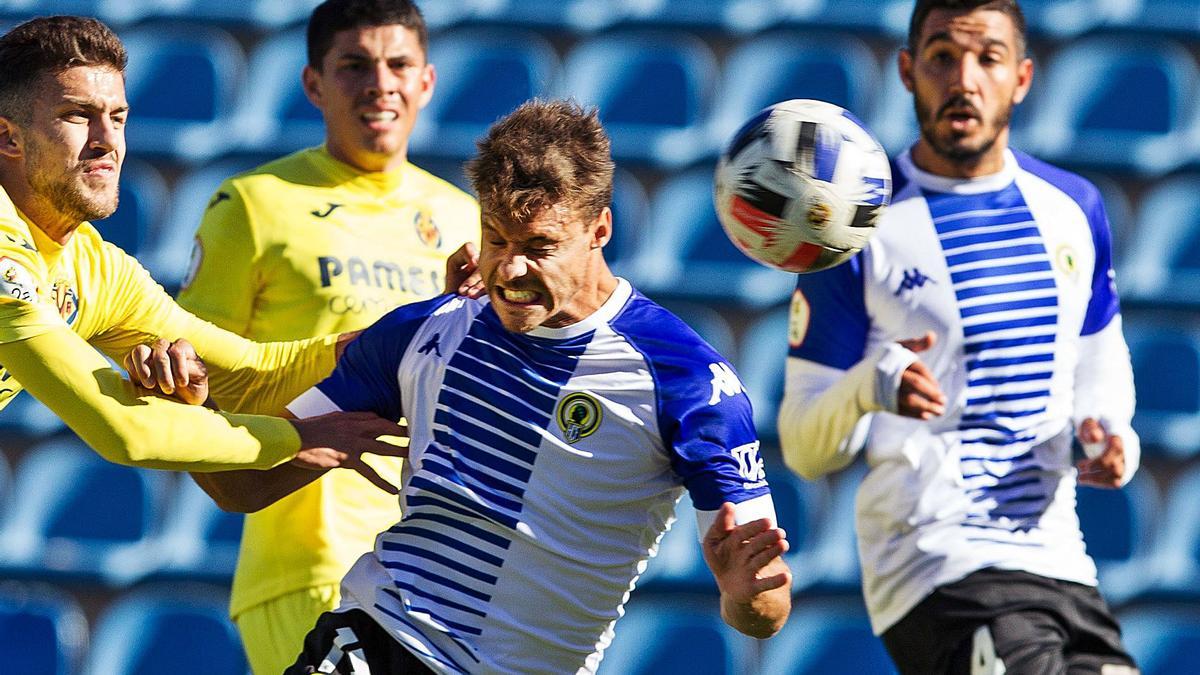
(441, 656)
(496, 401)
(992, 236)
(417, 591)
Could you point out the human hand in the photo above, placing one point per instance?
(172, 368)
(920, 396)
(1107, 469)
(462, 272)
(737, 554)
(340, 439)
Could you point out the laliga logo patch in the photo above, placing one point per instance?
(427, 230)
(66, 299)
(194, 261)
(16, 281)
(1067, 261)
(578, 416)
(798, 318)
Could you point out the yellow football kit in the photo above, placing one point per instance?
(303, 246)
(56, 299)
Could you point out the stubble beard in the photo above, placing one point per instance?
(949, 147)
(66, 192)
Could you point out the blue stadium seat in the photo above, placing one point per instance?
(112, 12)
(1121, 103)
(263, 14)
(1120, 214)
(670, 634)
(572, 15)
(887, 17)
(836, 568)
(42, 630)
(1163, 260)
(182, 84)
(143, 201)
(827, 637)
(707, 322)
(631, 217)
(167, 256)
(1163, 639)
(273, 114)
(653, 91)
(199, 540)
(76, 515)
(1068, 18)
(482, 76)
(173, 629)
(686, 254)
(840, 69)
(28, 417)
(1166, 370)
(736, 16)
(1118, 530)
(1174, 569)
(679, 564)
(761, 361)
(1181, 17)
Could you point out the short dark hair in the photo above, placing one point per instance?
(1007, 7)
(333, 16)
(544, 153)
(50, 45)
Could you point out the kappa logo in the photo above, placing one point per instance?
(432, 346)
(578, 416)
(912, 279)
(750, 465)
(724, 382)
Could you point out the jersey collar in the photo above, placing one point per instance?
(967, 186)
(596, 319)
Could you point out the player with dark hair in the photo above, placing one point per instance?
(553, 426)
(64, 292)
(327, 240)
(962, 352)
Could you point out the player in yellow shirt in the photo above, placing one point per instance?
(327, 240)
(62, 113)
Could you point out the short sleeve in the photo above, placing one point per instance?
(829, 322)
(1104, 303)
(221, 283)
(24, 313)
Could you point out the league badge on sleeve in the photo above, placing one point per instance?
(16, 281)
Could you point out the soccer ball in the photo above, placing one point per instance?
(801, 186)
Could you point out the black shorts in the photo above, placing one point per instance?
(346, 642)
(1031, 624)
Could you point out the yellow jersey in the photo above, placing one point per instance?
(60, 303)
(303, 246)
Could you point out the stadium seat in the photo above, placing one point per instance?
(1180, 17)
(710, 324)
(760, 364)
(29, 418)
(1120, 103)
(42, 630)
(1163, 260)
(482, 76)
(836, 568)
(182, 84)
(831, 636)
(653, 91)
(1118, 530)
(1166, 370)
(143, 201)
(263, 14)
(75, 515)
(199, 541)
(273, 114)
(174, 629)
(112, 12)
(840, 69)
(572, 15)
(887, 17)
(679, 564)
(1174, 570)
(676, 634)
(1163, 639)
(167, 256)
(734, 16)
(685, 253)
(631, 217)
(1120, 214)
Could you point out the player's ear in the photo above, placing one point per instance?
(1024, 80)
(310, 79)
(10, 139)
(602, 228)
(428, 79)
(904, 63)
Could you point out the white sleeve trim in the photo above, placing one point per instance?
(312, 403)
(743, 512)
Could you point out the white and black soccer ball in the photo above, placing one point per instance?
(801, 186)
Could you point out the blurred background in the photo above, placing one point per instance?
(112, 570)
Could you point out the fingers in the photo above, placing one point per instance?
(366, 471)
(1090, 431)
(462, 271)
(920, 344)
(135, 365)
(722, 527)
(181, 358)
(919, 394)
(1106, 470)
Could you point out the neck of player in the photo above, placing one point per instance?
(56, 225)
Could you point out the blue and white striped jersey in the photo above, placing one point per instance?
(544, 468)
(1013, 273)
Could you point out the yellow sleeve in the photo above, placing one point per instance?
(62, 371)
(244, 376)
(23, 312)
(222, 285)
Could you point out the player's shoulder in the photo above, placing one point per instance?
(295, 169)
(1081, 190)
(444, 309)
(667, 342)
(439, 188)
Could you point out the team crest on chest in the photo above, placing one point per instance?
(427, 230)
(66, 300)
(1067, 261)
(578, 415)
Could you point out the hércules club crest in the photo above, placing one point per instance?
(578, 416)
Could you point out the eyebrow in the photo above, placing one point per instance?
(92, 105)
(944, 36)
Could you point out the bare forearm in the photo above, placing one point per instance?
(249, 491)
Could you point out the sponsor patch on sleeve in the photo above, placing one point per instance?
(16, 281)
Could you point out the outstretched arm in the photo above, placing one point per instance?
(755, 583)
